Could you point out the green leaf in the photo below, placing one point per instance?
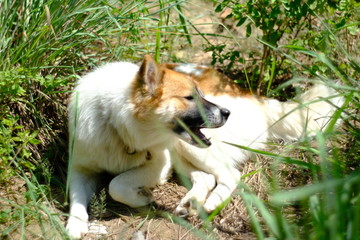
(34, 141)
(8, 122)
(17, 139)
(241, 21)
(28, 165)
(248, 30)
(219, 8)
(302, 49)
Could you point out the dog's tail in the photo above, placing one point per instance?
(306, 114)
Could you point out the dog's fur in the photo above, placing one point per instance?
(133, 122)
(124, 119)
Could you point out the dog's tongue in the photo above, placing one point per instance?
(202, 137)
(206, 141)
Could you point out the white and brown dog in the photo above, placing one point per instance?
(134, 122)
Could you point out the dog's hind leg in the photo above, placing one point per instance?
(202, 184)
(133, 187)
(82, 186)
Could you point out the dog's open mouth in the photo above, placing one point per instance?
(192, 135)
(199, 138)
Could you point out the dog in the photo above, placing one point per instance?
(125, 120)
(254, 121)
(139, 122)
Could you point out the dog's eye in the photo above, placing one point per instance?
(189, 98)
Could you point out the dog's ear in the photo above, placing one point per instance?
(150, 74)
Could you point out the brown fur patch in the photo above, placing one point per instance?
(168, 85)
(212, 82)
(146, 93)
(176, 86)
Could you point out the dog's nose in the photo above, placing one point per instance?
(225, 112)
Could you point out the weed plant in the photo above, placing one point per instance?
(289, 27)
(45, 44)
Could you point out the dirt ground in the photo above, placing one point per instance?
(158, 222)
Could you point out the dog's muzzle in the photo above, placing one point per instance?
(188, 126)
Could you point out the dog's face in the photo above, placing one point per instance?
(164, 96)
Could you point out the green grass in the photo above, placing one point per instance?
(46, 45)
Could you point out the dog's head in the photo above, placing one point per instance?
(173, 99)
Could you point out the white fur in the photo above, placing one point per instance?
(189, 68)
(106, 136)
(251, 124)
(304, 115)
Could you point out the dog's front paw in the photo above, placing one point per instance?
(213, 202)
(76, 227)
(188, 207)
